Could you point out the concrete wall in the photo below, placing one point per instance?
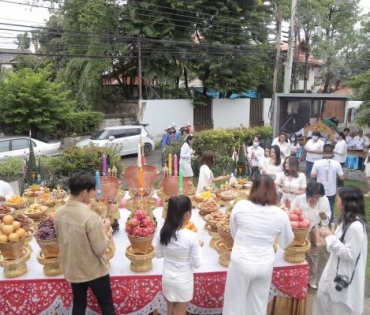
(160, 114)
(231, 113)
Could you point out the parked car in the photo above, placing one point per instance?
(127, 137)
(19, 146)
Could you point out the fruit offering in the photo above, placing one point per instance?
(209, 205)
(36, 208)
(46, 230)
(298, 219)
(4, 210)
(206, 194)
(10, 230)
(25, 221)
(46, 199)
(191, 226)
(224, 223)
(215, 217)
(141, 225)
(16, 200)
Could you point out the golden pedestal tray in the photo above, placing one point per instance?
(215, 237)
(15, 267)
(111, 246)
(140, 263)
(30, 233)
(52, 266)
(224, 254)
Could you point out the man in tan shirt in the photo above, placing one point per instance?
(83, 242)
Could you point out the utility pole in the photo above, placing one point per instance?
(289, 62)
(279, 19)
(139, 71)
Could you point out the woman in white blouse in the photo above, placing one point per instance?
(186, 155)
(272, 166)
(284, 144)
(180, 248)
(291, 181)
(206, 177)
(347, 261)
(315, 207)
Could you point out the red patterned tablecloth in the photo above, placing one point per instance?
(134, 294)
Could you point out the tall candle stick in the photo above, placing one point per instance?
(139, 156)
(175, 165)
(97, 184)
(104, 165)
(170, 164)
(180, 182)
(141, 178)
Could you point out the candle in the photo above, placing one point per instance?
(170, 164)
(104, 165)
(139, 156)
(175, 165)
(180, 182)
(97, 184)
(143, 159)
(141, 178)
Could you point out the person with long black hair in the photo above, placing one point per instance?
(272, 166)
(342, 284)
(180, 248)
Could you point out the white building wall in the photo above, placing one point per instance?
(160, 114)
(229, 113)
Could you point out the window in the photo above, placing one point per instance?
(19, 144)
(133, 132)
(4, 146)
(119, 133)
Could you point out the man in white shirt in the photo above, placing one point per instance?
(326, 171)
(6, 191)
(255, 156)
(314, 150)
(349, 139)
(360, 141)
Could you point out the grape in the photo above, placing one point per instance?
(46, 230)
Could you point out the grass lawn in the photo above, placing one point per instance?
(363, 187)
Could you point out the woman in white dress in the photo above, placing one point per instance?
(180, 248)
(272, 166)
(342, 283)
(340, 154)
(291, 181)
(186, 155)
(254, 223)
(316, 208)
(206, 177)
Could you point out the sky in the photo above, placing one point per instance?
(13, 12)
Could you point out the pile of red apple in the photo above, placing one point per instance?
(298, 219)
(141, 225)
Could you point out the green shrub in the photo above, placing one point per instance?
(81, 123)
(222, 142)
(11, 169)
(74, 159)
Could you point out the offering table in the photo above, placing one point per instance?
(140, 293)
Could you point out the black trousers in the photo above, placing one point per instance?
(102, 290)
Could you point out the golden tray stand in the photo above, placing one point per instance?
(52, 266)
(224, 254)
(15, 267)
(215, 237)
(140, 263)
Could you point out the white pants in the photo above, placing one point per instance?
(325, 306)
(247, 289)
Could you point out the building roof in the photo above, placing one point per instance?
(7, 56)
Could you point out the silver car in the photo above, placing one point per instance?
(126, 137)
(19, 146)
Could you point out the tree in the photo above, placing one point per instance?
(361, 84)
(23, 41)
(29, 100)
(337, 20)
